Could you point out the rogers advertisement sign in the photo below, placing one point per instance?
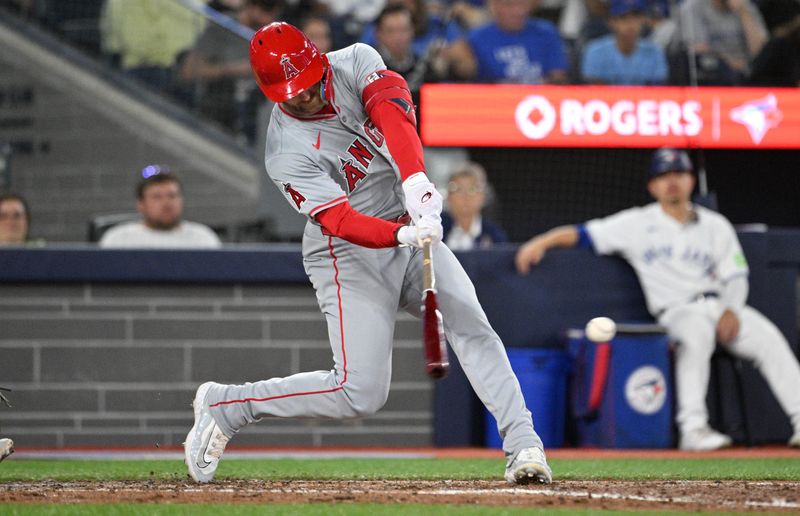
(609, 116)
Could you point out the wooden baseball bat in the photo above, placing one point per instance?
(436, 361)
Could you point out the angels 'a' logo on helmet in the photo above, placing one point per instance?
(288, 68)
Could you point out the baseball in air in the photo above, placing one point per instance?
(601, 329)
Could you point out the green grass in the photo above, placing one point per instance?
(456, 469)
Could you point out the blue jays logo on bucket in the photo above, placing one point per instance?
(646, 390)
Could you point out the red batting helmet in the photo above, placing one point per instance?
(285, 61)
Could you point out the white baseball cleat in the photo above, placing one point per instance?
(794, 442)
(205, 443)
(529, 466)
(704, 439)
(6, 448)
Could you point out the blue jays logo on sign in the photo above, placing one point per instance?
(758, 116)
(646, 390)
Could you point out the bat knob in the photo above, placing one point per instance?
(438, 371)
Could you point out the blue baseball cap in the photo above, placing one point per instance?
(622, 7)
(667, 159)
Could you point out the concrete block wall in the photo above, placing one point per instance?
(117, 365)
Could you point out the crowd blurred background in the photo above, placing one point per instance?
(195, 54)
(202, 61)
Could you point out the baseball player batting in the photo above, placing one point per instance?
(342, 146)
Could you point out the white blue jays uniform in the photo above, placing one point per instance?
(684, 270)
(319, 162)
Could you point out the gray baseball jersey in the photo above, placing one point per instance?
(336, 157)
(319, 162)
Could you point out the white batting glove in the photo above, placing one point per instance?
(407, 236)
(429, 227)
(422, 198)
(426, 227)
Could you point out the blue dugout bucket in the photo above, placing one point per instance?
(543, 375)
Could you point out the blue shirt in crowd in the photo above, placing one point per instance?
(436, 30)
(524, 57)
(603, 61)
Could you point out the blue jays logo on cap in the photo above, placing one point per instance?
(667, 159)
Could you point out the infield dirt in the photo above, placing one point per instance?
(712, 496)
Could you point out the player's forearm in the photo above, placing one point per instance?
(562, 236)
(401, 138)
(344, 222)
(754, 34)
(734, 294)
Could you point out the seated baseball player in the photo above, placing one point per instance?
(694, 277)
(342, 147)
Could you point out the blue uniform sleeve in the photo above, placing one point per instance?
(584, 238)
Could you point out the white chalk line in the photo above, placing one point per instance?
(776, 502)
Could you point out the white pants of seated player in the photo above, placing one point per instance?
(371, 285)
(693, 327)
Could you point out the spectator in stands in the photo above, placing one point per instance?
(432, 26)
(661, 27)
(464, 226)
(318, 30)
(728, 32)
(395, 33)
(349, 17)
(624, 57)
(160, 203)
(514, 48)
(778, 63)
(219, 65)
(145, 37)
(15, 219)
(694, 276)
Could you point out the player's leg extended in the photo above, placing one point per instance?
(692, 328)
(358, 291)
(477, 346)
(762, 342)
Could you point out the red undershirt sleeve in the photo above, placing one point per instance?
(344, 222)
(401, 137)
(388, 103)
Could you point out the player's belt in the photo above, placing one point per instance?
(405, 218)
(694, 299)
(705, 295)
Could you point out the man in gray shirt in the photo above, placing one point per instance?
(160, 203)
(731, 30)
